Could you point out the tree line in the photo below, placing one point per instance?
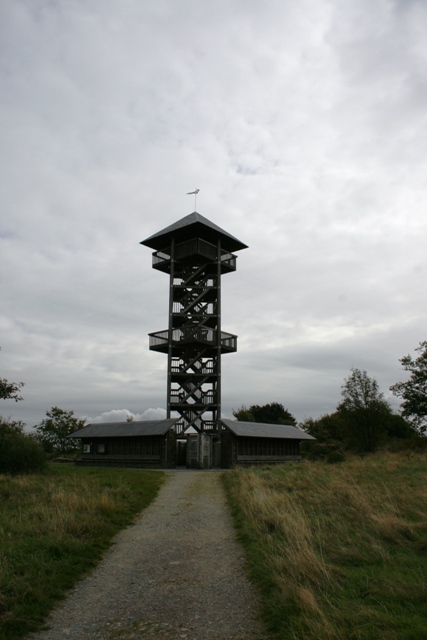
(363, 419)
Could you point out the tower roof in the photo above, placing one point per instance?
(193, 226)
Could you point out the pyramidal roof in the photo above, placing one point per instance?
(193, 226)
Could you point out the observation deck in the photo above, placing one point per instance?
(195, 338)
(194, 251)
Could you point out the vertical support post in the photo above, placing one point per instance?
(170, 327)
(218, 353)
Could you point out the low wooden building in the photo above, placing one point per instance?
(149, 443)
(256, 443)
(153, 444)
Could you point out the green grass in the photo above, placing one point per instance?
(338, 551)
(54, 528)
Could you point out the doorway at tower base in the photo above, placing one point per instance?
(202, 451)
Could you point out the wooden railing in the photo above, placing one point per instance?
(200, 367)
(179, 397)
(159, 257)
(205, 425)
(201, 335)
(195, 246)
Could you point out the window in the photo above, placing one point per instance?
(86, 448)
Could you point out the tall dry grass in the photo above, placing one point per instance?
(338, 550)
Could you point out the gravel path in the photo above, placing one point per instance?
(178, 573)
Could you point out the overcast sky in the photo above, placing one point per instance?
(303, 124)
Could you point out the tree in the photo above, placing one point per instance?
(328, 428)
(414, 391)
(10, 390)
(364, 411)
(243, 414)
(52, 432)
(273, 413)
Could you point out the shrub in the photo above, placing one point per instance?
(398, 427)
(19, 452)
(329, 451)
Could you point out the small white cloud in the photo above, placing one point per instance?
(115, 415)
(122, 415)
(153, 414)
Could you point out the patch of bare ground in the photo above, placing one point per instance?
(178, 573)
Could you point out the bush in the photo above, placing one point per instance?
(335, 456)
(407, 445)
(329, 451)
(19, 452)
(398, 427)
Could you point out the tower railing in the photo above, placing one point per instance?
(206, 398)
(200, 335)
(199, 367)
(195, 247)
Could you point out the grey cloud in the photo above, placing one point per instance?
(303, 126)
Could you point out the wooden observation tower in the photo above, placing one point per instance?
(195, 253)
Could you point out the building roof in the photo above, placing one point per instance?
(161, 427)
(125, 429)
(193, 226)
(262, 430)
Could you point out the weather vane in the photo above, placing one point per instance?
(194, 193)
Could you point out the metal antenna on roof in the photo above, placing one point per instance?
(194, 193)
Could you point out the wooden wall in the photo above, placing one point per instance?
(136, 451)
(236, 451)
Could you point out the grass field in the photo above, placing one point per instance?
(338, 551)
(54, 527)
